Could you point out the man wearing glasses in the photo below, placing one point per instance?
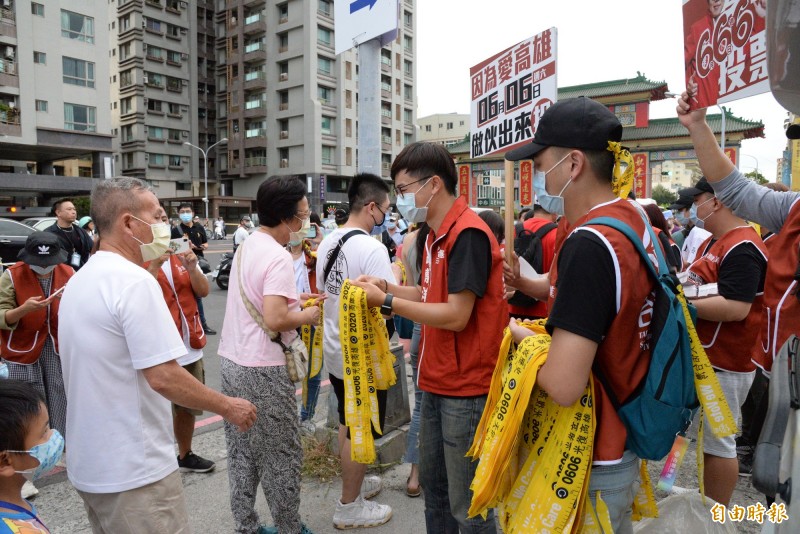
(459, 302)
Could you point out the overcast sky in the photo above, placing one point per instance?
(597, 41)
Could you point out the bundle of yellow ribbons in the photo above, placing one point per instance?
(314, 345)
(368, 367)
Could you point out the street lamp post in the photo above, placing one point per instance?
(754, 158)
(205, 163)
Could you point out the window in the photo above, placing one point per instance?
(325, 94)
(124, 23)
(78, 72)
(126, 132)
(408, 68)
(408, 92)
(174, 135)
(406, 138)
(408, 19)
(77, 26)
(40, 58)
(283, 42)
(324, 66)
(37, 9)
(174, 31)
(126, 105)
(327, 155)
(156, 133)
(325, 7)
(154, 105)
(124, 51)
(153, 79)
(348, 70)
(128, 161)
(153, 25)
(407, 116)
(327, 125)
(126, 78)
(41, 105)
(175, 161)
(80, 118)
(174, 84)
(283, 12)
(155, 53)
(174, 109)
(174, 57)
(449, 125)
(408, 43)
(427, 127)
(158, 160)
(324, 36)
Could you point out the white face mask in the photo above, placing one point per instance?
(42, 271)
(160, 243)
(302, 233)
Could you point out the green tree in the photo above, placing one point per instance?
(82, 205)
(756, 176)
(663, 196)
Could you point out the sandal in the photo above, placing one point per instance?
(413, 492)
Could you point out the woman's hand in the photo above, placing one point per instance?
(518, 332)
(312, 315)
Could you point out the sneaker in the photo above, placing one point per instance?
(192, 462)
(361, 514)
(209, 331)
(371, 486)
(308, 428)
(29, 490)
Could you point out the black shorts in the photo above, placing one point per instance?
(338, 388)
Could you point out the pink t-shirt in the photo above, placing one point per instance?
(266, 270)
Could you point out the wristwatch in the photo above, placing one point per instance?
(386, 309)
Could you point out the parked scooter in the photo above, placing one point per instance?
(223, 272)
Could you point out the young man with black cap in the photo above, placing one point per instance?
(29, 302)
(680, 209)
(600, 288)
(734, 258)
(191, 229)
(459, 302)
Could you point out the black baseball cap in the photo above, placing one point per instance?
(684, 201)
(700, 187)
(572, 123)
(42, 249)
(793, 131)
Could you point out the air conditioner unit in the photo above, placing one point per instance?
(284, 76)
(184, 56)
(185, 133)
(183, 31)
(144, 23)
(184, 5)
(284, 134)
(284, 162)
(144, 47)
(145, 100)
(145, 78)
(145, 129)
(185, 82)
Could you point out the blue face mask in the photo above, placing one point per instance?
(379, 228)
(697, 221)
(681, 218)
(3, 370)
(48, 454)
(407, 206)
(550, 203)
(186, 218)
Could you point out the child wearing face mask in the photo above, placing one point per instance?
(29, 300)
(28, 449)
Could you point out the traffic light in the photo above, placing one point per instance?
(11, 209)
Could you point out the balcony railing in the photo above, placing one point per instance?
(253, 47)
(8, 66)
(255, 132)
(255, 75)
(258, 161)
(256, 17)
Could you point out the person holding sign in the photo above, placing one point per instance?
(459, 301)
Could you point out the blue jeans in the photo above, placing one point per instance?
(200, 310)
(412, 443)
(447, 426)
(307, 409)
(618, 485)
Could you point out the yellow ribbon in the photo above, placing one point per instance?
(314, 345)
(368, 366)
(622, 181)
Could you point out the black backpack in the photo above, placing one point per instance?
(528, 245)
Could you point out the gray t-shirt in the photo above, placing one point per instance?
(755, 202)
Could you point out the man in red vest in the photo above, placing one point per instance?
(29, 301)
(734, 258)
(599, 287)
(182, 282)
(459, 302)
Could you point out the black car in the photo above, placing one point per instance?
(12, 238)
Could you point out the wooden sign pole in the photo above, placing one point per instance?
(509, 176)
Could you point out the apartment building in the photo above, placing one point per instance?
(289, 106)
(161, 54)
(53, 99)
(447, 129)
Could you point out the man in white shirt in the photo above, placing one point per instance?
(242, 232)
(358, 255)
(121, 373)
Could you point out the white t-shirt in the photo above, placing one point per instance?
(359, 255)
(120, 430)
(266, 270)
(240, 235)
(192, 354)
(692, 243)
(301, 281)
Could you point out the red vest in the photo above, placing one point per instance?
(460, 364)
(781, 315)
(728, 344)
(182, 301)
(24, 344)
(624, 354)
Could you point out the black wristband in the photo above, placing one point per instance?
(386, 309)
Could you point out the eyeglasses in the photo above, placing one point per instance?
(401, 189)
(303, 216)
